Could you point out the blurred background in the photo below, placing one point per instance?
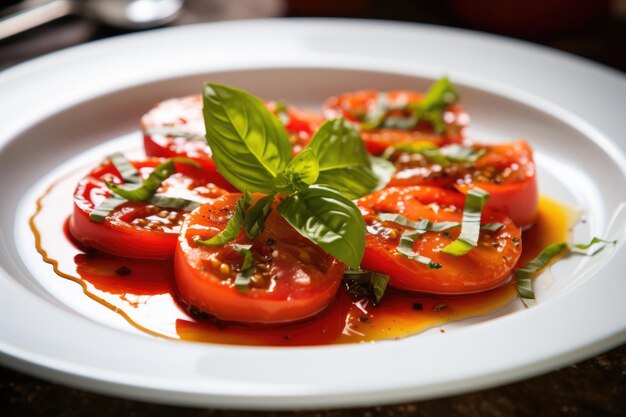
(593, 29)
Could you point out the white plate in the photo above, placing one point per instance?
(61, 105)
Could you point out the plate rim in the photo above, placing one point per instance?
(378, 396)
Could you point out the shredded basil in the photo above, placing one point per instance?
(146, 189)
(440, 94)
(474, 203)
(174, 203)
(422, 224)
(234, 225)
(524, 274)
(281, 110)
(127, 171)
(362, 283)
(594, 241)
(105, 208)
(405, 248)
(254, 219)
(491, 227)
(174, 132)
(242, 280)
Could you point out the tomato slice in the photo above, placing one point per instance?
(483, 268)
(506, 172)
(354, 105)
(294, 278)
(136, 229)
(184, 115)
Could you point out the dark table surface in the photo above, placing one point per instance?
(595, 387)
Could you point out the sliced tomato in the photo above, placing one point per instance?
(485, 267)
(506, 171)
(355, 105)
(294, 278)
(175, 127)
(136, 229)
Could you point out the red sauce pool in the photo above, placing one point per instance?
(143, 291)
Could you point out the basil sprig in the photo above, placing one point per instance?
(344, 163)
(475, 201)
(431, 109)
(251, 150)
(524, 274)
(405, 248)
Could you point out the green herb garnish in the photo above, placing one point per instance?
(405, 248)
(142, 190)
(174, 132)
(105, 208)
(254, 220)
(251, 150)
(242, 280)
(234, 225)
(431, 109)
(470, 229)
(369, 284)
(127, 171)
(524, 274)
(422, 224)
(146, 189)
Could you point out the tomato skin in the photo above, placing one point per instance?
(353, 104)
(506, 172)
(287, 257)
(484, 267)
(185, 114)
(117, 234)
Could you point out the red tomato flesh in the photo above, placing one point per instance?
(353, 106)
(484, 267)
(185, 115)
(506, 172)
(136, 229)
(294, 278)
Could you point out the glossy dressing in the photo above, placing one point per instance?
(143, 291)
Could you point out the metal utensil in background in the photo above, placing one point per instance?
(125, 14)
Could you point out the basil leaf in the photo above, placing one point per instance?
(491, 227)
(328, 219)
(470, 229)
(174, 132)
(281, 110)
(242, 280)
(593, 242)
(422, 224)
(234, 225)
(344, 163)
(409, 147)
(301, 172)
(254, 219)
(249, 144)
(405, 248)
(440, 94)
(460, 153)
(174, 203)
(523, 275)
(105, 208)
(376, 115)
(366, 283)
(147, 188)
(126, 169)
